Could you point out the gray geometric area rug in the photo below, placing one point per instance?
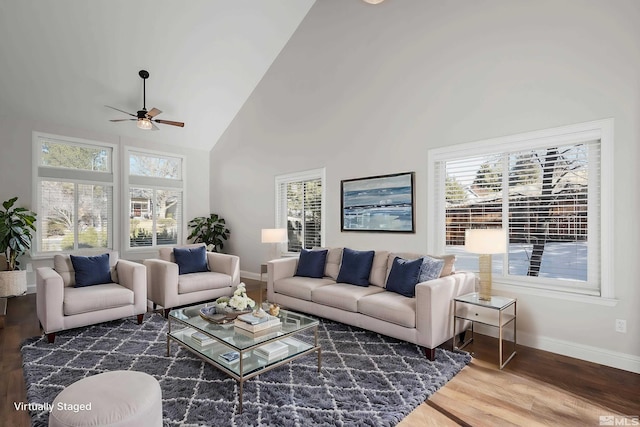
(366, 379)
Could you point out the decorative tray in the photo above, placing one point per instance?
(210, 314)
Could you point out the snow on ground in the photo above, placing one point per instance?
(561, 260)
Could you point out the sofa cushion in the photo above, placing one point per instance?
(430, 269)
(390, 307)
(95, 298)
(342, 295)
(202, 281)
(355, 267)
(404, 276)
(91, 270)
(312, 263)
(447, 270)
(191, 260)
(332, 267)
(378, 275)
(300, 287)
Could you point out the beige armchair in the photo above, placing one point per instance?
(167, 288)
(61, 305)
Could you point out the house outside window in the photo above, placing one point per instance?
(548, 189)
(300, 208)
(75, 192)
(155, 189)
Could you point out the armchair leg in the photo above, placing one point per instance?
(430, 353)
(51, 337)
(155, 306)
(140, 317)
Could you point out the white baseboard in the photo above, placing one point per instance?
(251, 275)
(614, 359)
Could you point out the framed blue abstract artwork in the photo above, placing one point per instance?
(378, 203)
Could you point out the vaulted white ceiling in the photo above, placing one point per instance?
(62, 61)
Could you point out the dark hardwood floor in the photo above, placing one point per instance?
(535, 388)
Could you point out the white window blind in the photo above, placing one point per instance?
(545, 191)
(299, 209)
(155, 199)
(75, 194)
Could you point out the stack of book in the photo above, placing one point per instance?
(272, 351)
(250, 322)
(202, 339)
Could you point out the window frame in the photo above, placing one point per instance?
(155, 184)
(602, 130)
(107, 178)
(281, 205)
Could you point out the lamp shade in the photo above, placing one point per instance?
(485, 240)
(274, 235)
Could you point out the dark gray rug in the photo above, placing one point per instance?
(366, 379)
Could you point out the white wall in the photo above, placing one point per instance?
(16, 173)
(368, 90)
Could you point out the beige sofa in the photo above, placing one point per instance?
(167, 288)
(425, 320)
(60, 305)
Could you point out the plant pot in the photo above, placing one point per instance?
(13, 283)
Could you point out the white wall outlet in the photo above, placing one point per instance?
(29, 268)
(621, 326)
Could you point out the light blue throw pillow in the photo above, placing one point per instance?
(430, 269)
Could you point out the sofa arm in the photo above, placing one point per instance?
(280, 268)
(162, 282)
(226, 264)
(133, 276)
(434, 306)
(49, 299)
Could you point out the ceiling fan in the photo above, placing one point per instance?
(145, 119)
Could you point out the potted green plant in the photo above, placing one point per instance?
(210, 230)
(17, 226)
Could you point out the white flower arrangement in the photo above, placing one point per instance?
(239, 300)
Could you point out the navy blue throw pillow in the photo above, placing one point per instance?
(403, 276)
(191, 260)
(91, 270)
(311, 263)
(355, 267)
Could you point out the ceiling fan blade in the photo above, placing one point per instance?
(122, 111)
(121, 120)
(154, 127)
(169, 122)
(154, 112)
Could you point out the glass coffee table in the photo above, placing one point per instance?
(221, 340)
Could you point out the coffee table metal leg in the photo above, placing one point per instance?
(240, 394)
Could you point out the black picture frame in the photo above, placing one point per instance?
(383, 203)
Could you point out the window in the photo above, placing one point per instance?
(300, 208)
(154, 199)
(547, 189)
(75, 183)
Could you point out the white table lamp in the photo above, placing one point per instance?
(275, 236)
(485, 242)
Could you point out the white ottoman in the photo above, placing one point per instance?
(117, 398)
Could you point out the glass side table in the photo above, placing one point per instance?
(497, 312)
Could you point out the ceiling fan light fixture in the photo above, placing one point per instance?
(373, 1)
(144, 124)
